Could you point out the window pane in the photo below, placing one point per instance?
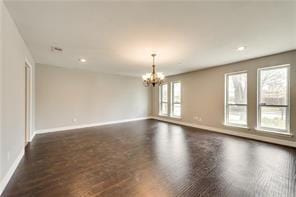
(237, 115)
(164, 108)
(274, 117)
(237, 88)
(177, 92)
(177, 110)
(274, 86)
(165, 93)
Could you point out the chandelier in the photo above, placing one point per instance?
(154, 78)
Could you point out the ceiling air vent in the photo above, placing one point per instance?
(56, 49)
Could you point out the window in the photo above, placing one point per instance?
(170, 99)
(163, 99)
(273, 99)
(236, 99)
(176, 99)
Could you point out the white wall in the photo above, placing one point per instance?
(203, 94)
(64, 94)
(1, 65)
(12, 117)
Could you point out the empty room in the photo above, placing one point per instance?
(147, 98)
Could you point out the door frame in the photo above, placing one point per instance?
(28, 117)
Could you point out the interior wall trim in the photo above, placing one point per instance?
(11, 170)
(88, 125)
(13, 167)
(230, 132)
(33, 133)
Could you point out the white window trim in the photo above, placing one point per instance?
(161, 101)
(273, 130)
(173, 102)
(226, 122)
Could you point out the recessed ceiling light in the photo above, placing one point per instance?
(56, 49)
(241, 48)
(82, 60)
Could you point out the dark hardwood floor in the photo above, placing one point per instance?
(152, 158)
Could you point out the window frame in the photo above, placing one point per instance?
(173, 101)
(160, 112)
(260, 105)
(226, 104)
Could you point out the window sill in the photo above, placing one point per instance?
(236, 126)
(274, 132)
(163, 115)
(167, 116)
(176, 117)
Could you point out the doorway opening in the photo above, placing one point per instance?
(28, 102)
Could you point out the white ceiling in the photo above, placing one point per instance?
(118, 37)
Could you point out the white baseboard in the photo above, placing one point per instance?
(32, 136)
(10, 172)
(87, 125)
(230, 132)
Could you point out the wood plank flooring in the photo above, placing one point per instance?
(150, 158)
